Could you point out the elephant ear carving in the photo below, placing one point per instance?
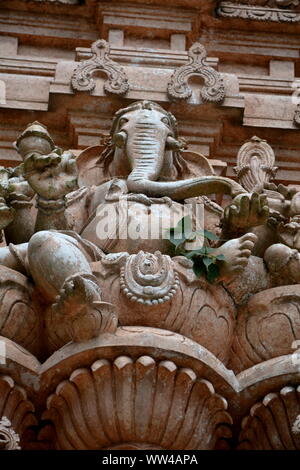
(89, 171)
(197, 164)
(92, 172)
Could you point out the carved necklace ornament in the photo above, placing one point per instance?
(258, 13)
(213, 89)
(149, 278)
(82, 78)
(9, 439)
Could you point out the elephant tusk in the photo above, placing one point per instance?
(173, 144)
(120, 139)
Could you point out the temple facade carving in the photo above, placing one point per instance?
(278, 11)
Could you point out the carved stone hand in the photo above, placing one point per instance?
(6, 214)
(51, 176)
(246, 210)
(286, 191)
(19, 189)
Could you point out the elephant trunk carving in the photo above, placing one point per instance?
(145, 149)
(185, 189)
(146, 133)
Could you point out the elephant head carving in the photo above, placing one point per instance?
(144, 148)
(144, 139)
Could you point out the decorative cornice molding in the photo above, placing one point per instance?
(292, 4)
(64, 2)
(213, 89)
(82, 79)
(257, 12)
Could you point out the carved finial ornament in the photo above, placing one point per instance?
(213, 89)
(82, 79)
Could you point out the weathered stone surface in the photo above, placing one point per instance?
(256, 337)
(255, 164)
(20, 314)
(196, 309)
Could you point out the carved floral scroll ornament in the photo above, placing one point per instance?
(297, 116)
(270, 310)
(258, 12)
(9, 439)
(213, 89)
(296, 425)
(82, 79)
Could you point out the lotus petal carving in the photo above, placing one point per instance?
(16, 413)
(130, 403)
(272, 423)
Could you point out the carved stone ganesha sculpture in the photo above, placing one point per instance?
(141, 173)
(91, 285)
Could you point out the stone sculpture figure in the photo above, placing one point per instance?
(141, 163)
(119, 298)
(279, 238)
(283, 258)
